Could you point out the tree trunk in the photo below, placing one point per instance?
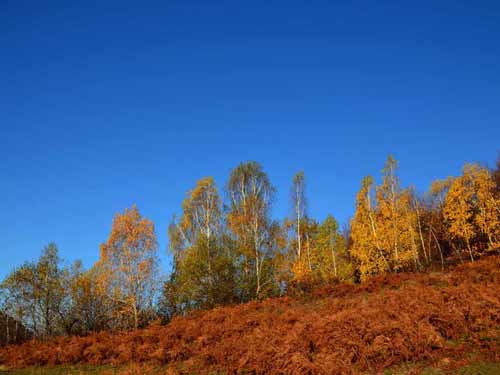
(414, 244)
(136, 316)
(308, 244)
(334, 259)
(7, 330)
(299, 244)
(439, 248)
(374, 232)
(470, 250)
(427, 260)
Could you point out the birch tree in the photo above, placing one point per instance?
(203, 270)
(332, 262)
(128, 264)
(250, 195)
(487, 204)
(298, 198)
(396, 220)
(366, 248)
(472, 210)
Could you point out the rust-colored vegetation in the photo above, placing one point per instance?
(383, 322)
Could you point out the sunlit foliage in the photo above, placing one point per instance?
(228, 248)
(128, 266)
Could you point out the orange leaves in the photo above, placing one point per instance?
(131, 231)
(128, 263)
(345, 329)
(238, 223)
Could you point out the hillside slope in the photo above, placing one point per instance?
(387, 321)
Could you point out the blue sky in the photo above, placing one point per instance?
(106, 105)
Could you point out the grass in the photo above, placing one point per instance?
(478, 368)
(481, 368)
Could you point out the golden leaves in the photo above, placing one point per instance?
(471, 209)
(128, 262)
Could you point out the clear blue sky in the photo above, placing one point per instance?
(104, 105)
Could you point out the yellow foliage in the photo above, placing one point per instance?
(300, 270)
(472, 209)
(385, 231)
(128, 263)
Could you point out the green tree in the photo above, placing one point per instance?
(332, 261)
(203, 275)
(37, 294)
(256, 243)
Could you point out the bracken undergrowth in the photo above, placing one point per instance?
(339, 329)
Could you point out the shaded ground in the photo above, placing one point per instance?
(479, 368)
(438, 323)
